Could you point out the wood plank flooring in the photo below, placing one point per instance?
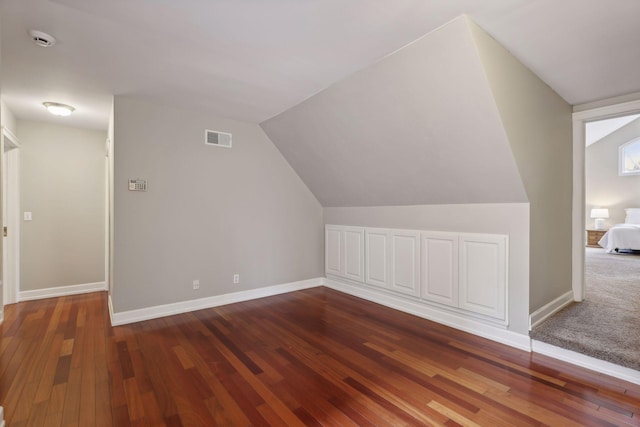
(314, 357)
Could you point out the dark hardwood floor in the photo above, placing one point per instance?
(314, 357)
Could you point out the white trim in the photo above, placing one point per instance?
(608, 111)
(11, 211)
(106, 215)
(110, 303)
(600, 366)
(578, 225)
(61, 291)
(454, 320)
(578, 201)
(147, 313)
(13, 139)
(549, 309)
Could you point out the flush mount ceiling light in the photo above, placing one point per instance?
(42, 39)
(59, 109)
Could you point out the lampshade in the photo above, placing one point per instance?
(599, 213)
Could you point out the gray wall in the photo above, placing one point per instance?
(604, 188)
(208, 213)
(509, 218)
(539, 127)
(418, 127)
(62, 183)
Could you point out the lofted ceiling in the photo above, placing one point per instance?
(252, 59)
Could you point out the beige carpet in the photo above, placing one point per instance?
(607, 324)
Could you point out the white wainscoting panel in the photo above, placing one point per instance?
(377, 257)
(440, 267)
(483, 274)
(405, 268)
(333, 251)
(354, 253)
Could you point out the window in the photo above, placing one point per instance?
(629, 158)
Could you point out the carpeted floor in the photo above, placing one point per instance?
(606, 325)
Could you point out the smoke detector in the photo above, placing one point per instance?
(42, 39)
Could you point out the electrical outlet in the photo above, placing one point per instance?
(236, 278)
(196, 284)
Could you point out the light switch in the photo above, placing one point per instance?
(27, 216)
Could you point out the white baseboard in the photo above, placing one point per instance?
(454, 320)
(61, 291)
(131, 316)
(600, 366)
(548, 310)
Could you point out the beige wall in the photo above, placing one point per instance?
(538, 125)
(209, 212)
(505, 218)
(604, 188)
(63, 185)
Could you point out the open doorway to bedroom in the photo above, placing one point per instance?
(605, 324)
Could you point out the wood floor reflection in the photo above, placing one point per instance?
(313, 357)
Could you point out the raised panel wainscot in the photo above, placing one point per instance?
(463, 274)
(405, 262)
(377, 258)
(440, 268)
(483, 274)
(344, 252)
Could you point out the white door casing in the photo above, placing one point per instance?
(578, 208)
(10, 216)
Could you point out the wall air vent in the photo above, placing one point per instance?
(218, 139)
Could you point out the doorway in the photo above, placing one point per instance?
(622, 364)
(580, 120)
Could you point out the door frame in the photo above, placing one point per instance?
(11, 251)
(578, 211)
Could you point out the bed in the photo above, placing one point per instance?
(623, 237)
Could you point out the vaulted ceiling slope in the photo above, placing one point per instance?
(421, 126)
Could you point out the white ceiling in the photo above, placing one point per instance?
(595, 131)
(252, 59)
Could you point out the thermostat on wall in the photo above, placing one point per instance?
(137, 185)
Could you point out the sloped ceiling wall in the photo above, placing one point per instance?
(418, 127)
(538, 124)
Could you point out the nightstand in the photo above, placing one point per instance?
(593, 237)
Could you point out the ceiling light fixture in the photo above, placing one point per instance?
(59, 109)
(42, 39)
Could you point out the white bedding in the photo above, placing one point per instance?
(621, 236)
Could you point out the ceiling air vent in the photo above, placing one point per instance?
(218, 139)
